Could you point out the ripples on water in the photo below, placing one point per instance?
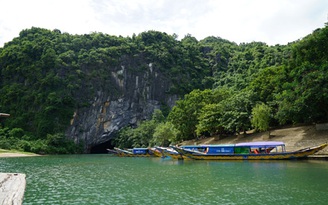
(101, 179)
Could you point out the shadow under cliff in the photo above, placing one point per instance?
(101, 148)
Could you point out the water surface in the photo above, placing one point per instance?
(102, 179)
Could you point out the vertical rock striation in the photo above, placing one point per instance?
(140, 92)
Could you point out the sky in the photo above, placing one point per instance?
(241, 21)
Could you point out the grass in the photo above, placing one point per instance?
(15, 151)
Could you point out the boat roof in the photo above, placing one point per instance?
(220, 145)
(208, 145)
(139, 148)
(260, 144)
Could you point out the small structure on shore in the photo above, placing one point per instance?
(4, 115)
(12, 188)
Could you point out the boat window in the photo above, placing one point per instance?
(242, 150)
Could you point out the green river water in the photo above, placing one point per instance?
(104, 179)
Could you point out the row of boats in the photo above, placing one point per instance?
(266, 150)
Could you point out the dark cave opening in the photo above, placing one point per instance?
(101, 148)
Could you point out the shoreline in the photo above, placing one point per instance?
(295, 138)
(13, 154)
(318, 157)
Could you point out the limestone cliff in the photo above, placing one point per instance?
(140, 93)
(89, 86)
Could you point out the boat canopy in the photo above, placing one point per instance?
(239, 148)
(206, 145)
(260, 144)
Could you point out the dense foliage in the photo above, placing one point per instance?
(224, 87)
(17, 139)
(256, 86)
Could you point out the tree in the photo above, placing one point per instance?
(267, 83)
(158, 116)
(185, 113)
(261, 117)
(124, 138)
(210, 120)
(165, 133)
(237, 111)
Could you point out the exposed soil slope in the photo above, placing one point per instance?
(294, 137)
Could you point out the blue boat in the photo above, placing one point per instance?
(249, 150)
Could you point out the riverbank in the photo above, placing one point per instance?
(295, 138)
(11, 153)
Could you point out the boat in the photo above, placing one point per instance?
(112, 151)
(169, 152)
(172, 153)
(157, 152)
(4, 115)
(267, 150)
(135, 152)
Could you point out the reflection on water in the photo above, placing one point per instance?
(101, 179)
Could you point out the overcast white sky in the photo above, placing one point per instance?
(269, 21)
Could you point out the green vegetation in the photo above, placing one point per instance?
(224, 87)
(255, 86)
(17, 139)
(261, 117)
(5, 151)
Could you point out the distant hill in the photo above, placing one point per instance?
(90, 87)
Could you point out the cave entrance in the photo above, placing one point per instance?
(101, 148)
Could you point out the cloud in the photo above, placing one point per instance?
(73, 16)
(128, 17)
(273, 22)
(293, 20)
(270, 21)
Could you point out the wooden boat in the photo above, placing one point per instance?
(157, 152)
(247, 151)
(4, 115)
(112, 151)
(135, 152)
(169, 152)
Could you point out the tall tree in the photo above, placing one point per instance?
(261, 117)
(165, 133)
(185, 113)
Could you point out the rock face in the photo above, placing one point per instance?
(140, 93)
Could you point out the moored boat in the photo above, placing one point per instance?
(169, 152)
(112, 151)
(247, 151)
(172, 153)
(157, 152)
(135, 152)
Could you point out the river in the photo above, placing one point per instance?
(103, 179)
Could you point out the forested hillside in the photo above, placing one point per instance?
(223, 87)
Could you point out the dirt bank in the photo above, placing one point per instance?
(294, 137)
(8, 153)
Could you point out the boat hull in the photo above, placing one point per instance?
(174, 156)
(157, 153)
(300, 154)
(134, 155)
